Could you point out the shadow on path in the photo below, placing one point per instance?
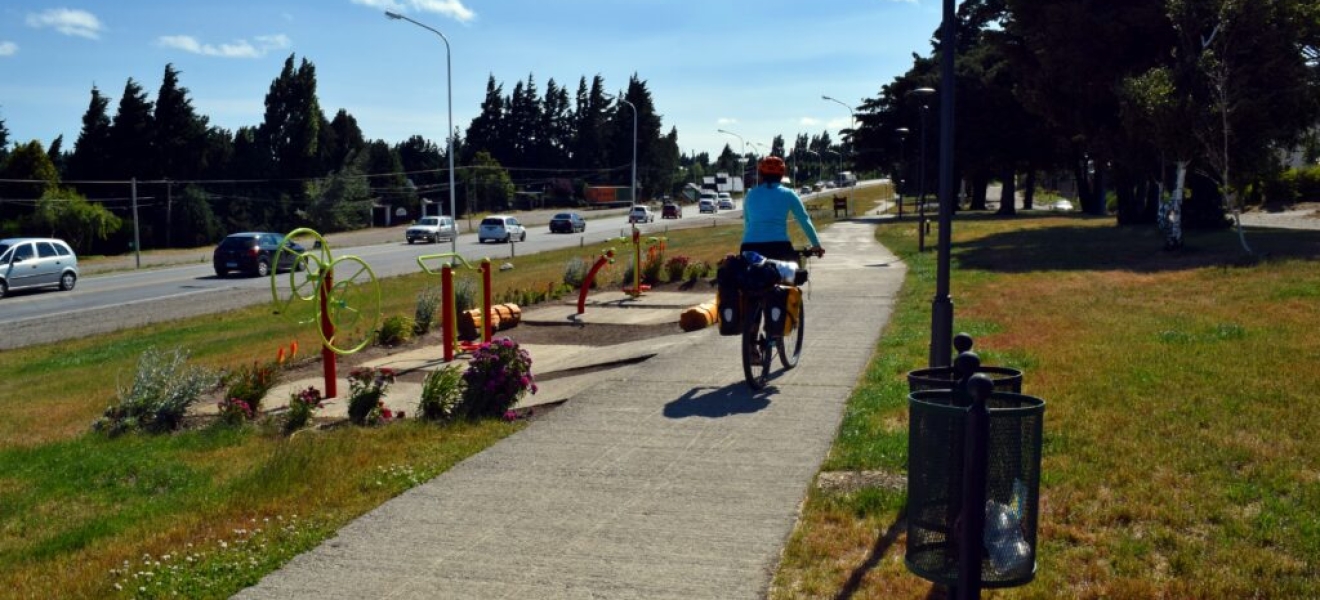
(709, 402)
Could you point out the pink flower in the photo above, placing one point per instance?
(510, 415)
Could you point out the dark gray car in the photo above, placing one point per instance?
(36, 262)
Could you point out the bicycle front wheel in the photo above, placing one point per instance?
(790, 346)
(756, 349)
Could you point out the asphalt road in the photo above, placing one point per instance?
(108, 302)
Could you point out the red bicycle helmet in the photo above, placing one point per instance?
(772, 166)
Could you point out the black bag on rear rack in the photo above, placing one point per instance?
(729, 300)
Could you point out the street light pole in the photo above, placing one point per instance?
(921, 170)
(941, 314)
(901, 172)
(743, 174)
(840, 156)
(449, 133)
(852, 116)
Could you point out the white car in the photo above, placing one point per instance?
(706, 205)
(726, 201)
(641, 214)
(500, 228)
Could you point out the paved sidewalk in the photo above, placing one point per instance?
(666, 479)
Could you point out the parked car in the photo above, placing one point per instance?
(804, 190)
(706, 205)
(36, 262)
(431, 229)
(253, 253)
(1061, 205)
(726, 201)
(569, 222)
(500, 228)
(641, 214)
(671, 211)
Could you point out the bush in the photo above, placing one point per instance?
(496, 378)
(394, 330)
(465, 294)
(428, 301)
(653, 265)
(628, 274)
(234, 412)
(161, 393)
(442, 395)
(366, 395)
(301, 407)
(676, 267)
(250, 383)
(575, 272)
(698, 269)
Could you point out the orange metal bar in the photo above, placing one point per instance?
(449, 327)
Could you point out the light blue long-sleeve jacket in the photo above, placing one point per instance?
(765, 215)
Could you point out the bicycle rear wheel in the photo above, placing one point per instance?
(791, 349)
(756, 348)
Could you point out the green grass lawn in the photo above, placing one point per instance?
(1180, 436)
(206, 512)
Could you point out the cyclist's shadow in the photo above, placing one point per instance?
(711, 402)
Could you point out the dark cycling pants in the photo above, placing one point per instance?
(775, 250)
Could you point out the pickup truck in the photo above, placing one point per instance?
(432, 229)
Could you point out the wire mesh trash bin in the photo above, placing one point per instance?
(936, 470)
(1006, 379)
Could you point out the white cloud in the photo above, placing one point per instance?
(809, 121)
(453, 9)
(726, 121)
(68, 21)
(8, 48)
(237, 49)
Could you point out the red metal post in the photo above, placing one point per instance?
(485, 301)
(448, 326)
(591, 276)
(328, 356)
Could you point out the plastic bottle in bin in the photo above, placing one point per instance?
(1004, 542)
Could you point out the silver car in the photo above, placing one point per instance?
(431, 229)
(36, 262)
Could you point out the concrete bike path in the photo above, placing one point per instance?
(669, 479)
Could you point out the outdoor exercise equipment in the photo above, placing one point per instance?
(448, 306)
(605, 257)
(347, 306)
(655, 246)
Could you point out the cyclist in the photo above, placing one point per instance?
(765, 215)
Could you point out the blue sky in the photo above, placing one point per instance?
(754, 68)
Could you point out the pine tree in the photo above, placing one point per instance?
(132, 136)
(92, 150)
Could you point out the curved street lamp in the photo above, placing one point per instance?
(852, 116)
(743, 174)
(923, 93)
(620, 98)
(449, 133)
(902, 153)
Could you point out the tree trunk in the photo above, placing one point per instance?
(1029, 196)
(979, 184)
(1008, 194)
(1083, 183)
(1171, 211)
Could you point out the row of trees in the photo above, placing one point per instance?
(192, 182)
(1129, 95)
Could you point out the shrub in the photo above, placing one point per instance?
(251, 383)
(163, 389)
(428, 301)
(442, 394)
(465, 294)
(575, 272)
(367, 387)
(628, 274)
(653, 265)
(394, 330)
(301, 407)
(234, 411)
(698, 269)
(676, 267)
(496, 378)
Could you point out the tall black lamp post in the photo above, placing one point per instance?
(900, 173)
(922, 92)
(941, 310)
